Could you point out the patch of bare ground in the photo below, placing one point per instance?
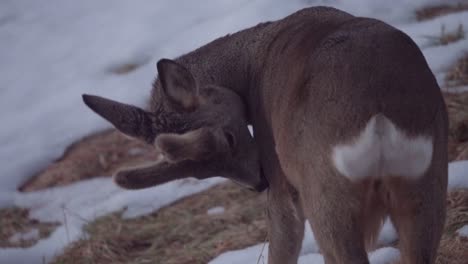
(458, 74)
(182, 233)
(457, 107)
(431, 12)
(15, 221)
(100, 154)
(462, 151)
(453, 247)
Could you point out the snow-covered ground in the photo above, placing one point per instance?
(78, 204)
(259, 254)
(310, 250)
(53, 51)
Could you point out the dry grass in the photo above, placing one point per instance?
(457, 107)
(457, 211)
(431, 12)
(129, 66)
(453, 248)
(96, 155)
(182, 233)
(450, 37)
(125, 68)
(458, 74)
(462, 150)
(446, 37)
(16, 220)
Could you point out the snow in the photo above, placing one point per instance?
(78, 204)
(52, 53)
(246, 255)
(387, 234)
(309, 244)
(310, 252)
(215, 210)
(459, 89)
(458, 174)
(385, 255)
(463, 231)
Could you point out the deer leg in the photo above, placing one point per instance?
(334, 209)
(418, 211)
(285, 224)
(417, 206)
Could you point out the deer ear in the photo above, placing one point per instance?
(200, 144)
(178, 84)
(128, 119)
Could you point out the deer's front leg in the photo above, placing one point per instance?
(285, 224)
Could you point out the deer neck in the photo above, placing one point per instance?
(230, 61)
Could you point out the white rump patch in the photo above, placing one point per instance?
(383, 149)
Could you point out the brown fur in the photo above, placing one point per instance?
(311, 81)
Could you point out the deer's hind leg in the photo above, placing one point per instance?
(418, 211)
(417, 206)
(334, 207)
(285, 224)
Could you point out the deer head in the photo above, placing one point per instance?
(200, 132)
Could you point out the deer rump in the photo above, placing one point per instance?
(381, 150)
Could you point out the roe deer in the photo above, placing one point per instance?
(350, 126)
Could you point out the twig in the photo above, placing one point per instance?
(65, 222)
(77, 215)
